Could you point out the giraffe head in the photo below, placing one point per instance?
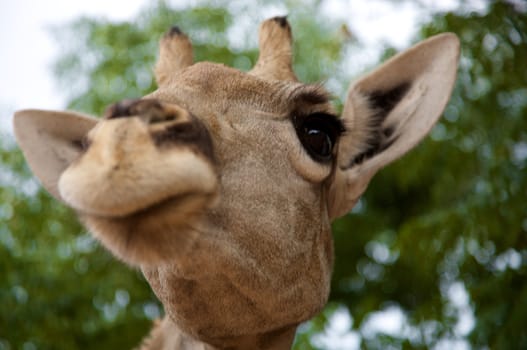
(221, 185)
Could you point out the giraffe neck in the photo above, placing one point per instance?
(166, 336)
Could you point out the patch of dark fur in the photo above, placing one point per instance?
(385, 100)
(150, 109)
(192, 134)
(382, 102)
(376, 147)
(174, 30)
(281, 20)
(121, 109)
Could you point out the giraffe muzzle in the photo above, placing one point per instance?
(144, 152)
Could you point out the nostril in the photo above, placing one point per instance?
(150, 111)
(120, 109)
(156, 118)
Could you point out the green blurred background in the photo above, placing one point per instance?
(433, 256)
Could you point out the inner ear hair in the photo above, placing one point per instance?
(376, 136)
(383, 101)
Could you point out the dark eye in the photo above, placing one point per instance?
(318, 133)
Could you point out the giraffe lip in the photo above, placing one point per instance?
(177, 209)
(171, 201)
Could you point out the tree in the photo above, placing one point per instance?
(440, 238)
(449, 218)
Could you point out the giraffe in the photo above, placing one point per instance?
(221, 184)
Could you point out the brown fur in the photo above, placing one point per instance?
(175, 54)
(234, 237)
(274, 62)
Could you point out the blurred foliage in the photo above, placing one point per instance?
(54, 278)
(452, 215)
(440, 238)
(105, 61)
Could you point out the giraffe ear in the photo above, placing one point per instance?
(388, 112)
(50, 141)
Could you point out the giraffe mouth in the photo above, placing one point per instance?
(154, 233)
(182, 206)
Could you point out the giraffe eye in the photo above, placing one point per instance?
(319, 133)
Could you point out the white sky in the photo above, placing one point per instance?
(28, 50)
